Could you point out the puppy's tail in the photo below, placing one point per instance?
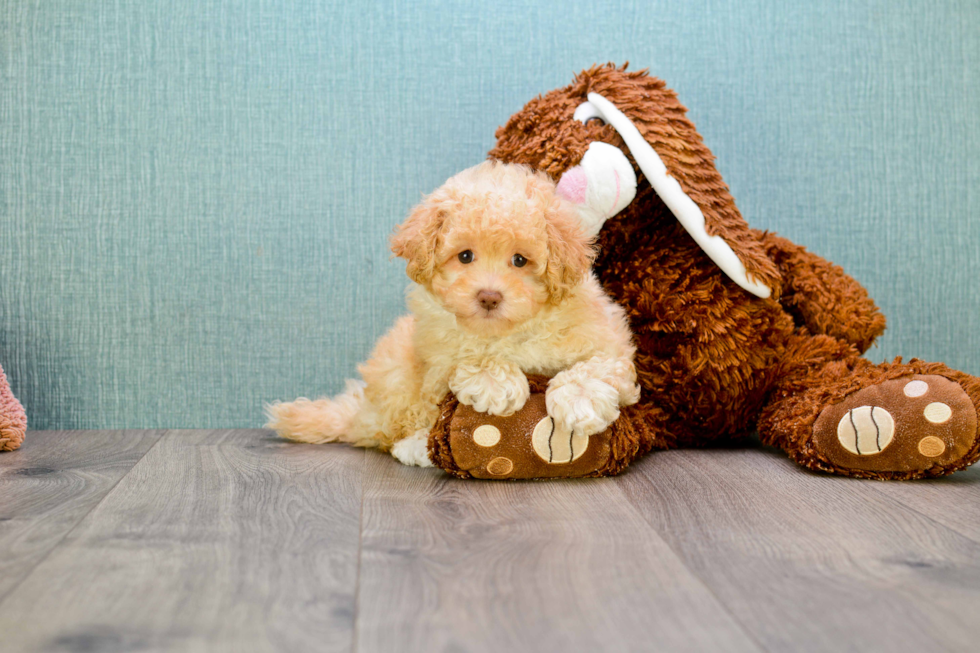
(322, 420)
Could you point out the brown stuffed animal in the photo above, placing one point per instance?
(736, 329)
(13, 421)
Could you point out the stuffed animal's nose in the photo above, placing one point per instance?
(489, 299)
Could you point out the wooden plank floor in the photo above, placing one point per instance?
(236, 541)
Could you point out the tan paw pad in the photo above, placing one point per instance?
(555, 444)
(931, 446)
(938, 412)
(916, 388)
(500, 466)
(486, 435)
(866, 430)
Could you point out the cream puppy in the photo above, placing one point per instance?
(502, 288)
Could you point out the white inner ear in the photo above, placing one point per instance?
(683, 207)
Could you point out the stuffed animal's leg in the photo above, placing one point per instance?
(530, 444)
(836, 412)
(821, 297)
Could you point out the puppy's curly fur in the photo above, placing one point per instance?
(502, 288)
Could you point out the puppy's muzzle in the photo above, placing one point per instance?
(489, 299)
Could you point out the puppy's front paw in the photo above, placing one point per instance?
(494, 388)
(583, 406)
(413, 450)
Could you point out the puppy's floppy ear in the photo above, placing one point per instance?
(570, 251)
(416, 239)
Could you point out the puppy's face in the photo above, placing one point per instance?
(490, 266)
(494, 245)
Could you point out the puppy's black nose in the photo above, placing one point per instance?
(489, 299)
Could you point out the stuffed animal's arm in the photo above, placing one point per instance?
(820, 296)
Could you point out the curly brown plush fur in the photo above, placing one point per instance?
(13, 421)
(715, 361)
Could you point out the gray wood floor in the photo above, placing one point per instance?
(236, 541)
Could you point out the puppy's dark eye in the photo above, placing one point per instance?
(466, 256)
(518, 261)
(595, 120)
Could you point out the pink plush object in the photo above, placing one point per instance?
(13, 420)
(573, 185)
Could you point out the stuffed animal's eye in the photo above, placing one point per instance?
(587, 113)
(466, 256)
(518, 261)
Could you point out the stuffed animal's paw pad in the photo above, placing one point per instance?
(866, 430)
(556, 444)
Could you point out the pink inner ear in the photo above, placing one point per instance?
(573, 185)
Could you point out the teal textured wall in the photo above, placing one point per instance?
(195, 195)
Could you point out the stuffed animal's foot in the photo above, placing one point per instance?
(413, 450)
(914, 425)
(528, 444)
(492, 388)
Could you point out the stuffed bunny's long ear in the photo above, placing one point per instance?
(680, 169)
